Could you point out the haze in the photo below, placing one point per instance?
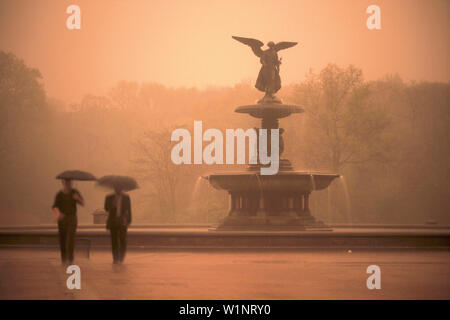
(188, 43)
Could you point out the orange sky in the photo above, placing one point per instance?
(188, 43)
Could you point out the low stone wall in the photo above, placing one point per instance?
(345, 238)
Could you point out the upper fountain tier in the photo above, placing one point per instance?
(269, 110)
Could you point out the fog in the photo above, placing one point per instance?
(376, 105)
(188, 43)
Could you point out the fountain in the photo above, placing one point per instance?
(270, 202)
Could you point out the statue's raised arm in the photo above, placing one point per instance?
(269, 76)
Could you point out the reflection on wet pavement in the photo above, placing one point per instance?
(338, 274)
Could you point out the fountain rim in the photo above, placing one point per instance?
(261, 110)
(280, 173)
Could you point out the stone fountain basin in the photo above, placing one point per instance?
(274, 110)
(290, 181)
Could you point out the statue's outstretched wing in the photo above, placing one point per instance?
(284, 45)
(252, 43)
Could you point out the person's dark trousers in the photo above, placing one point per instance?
(119, 242)
(67, 228)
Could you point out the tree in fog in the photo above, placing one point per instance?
(423, 156)
(170, 189)
(23, 109)
(20, 86)
(21, 98)
(344, 125)
(162, 178)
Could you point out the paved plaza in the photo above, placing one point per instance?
(227, 274)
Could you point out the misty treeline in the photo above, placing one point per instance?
(389, 139)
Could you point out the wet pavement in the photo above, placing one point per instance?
(227, 274)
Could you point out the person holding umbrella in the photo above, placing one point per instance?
(65, 209)
(118, 206)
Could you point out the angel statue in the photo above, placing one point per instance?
(269, 75)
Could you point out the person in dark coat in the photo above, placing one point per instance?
(65, 208)
(118, 206)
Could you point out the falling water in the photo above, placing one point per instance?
(196, 192)
(260, 184)
(197, 185)
(313, 200)
(313, 182)
(347, 199)
(329, 204)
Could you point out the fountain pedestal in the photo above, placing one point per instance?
(270, 202)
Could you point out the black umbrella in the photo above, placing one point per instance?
(76, 175)
(123, 183)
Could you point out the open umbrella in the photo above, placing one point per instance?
(123, 183)
(76, 175)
